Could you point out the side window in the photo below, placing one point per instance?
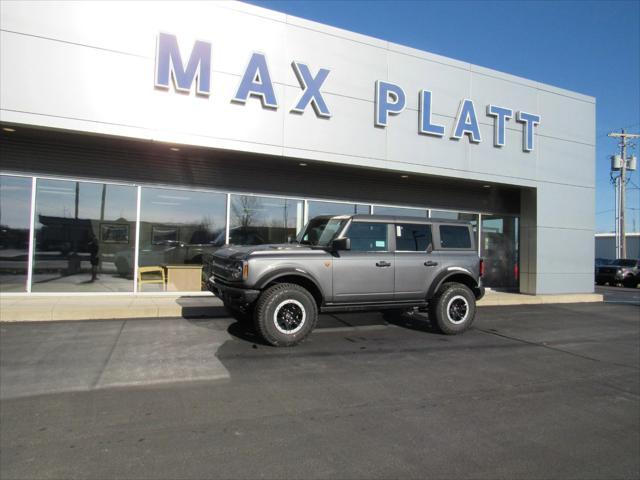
(368, 237)
(412, 237)
(454, 236)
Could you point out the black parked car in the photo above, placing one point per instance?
(601, 262)
(624, 270)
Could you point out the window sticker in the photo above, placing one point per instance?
(398, 231)
(380, 243)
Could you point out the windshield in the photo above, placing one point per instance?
(625, 263)
(320, 231)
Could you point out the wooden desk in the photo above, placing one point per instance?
(184, 278)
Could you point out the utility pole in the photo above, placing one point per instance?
(623, 164)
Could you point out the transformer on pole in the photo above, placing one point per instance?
(621, 163)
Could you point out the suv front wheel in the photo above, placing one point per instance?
(453, 308)
(285, 314)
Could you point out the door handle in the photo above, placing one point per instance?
(383, 264)
(430, 264)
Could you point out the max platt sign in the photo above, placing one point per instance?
(390, 99)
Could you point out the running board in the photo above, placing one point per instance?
(354, 307)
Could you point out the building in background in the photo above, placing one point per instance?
(138, 137)
(605, 246)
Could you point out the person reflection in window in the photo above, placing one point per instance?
(93, 248)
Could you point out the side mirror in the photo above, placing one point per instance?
(341, 244)
(291, 239)
(430, 248)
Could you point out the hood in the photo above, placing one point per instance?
(239, 252)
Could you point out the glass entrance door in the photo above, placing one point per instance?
(499, 248)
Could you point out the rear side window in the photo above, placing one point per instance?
(368, 237)
(412, 238)
(454, 236)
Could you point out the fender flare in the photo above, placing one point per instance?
(287, 272)
(443, 276)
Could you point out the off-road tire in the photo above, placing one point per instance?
(280, 304)
(453, 309)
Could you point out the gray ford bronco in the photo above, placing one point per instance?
(347, 263)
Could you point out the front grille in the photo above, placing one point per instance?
(222, 268)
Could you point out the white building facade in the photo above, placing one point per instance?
(142, 134)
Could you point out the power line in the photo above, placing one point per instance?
(625, 128)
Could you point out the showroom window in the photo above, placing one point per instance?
(400, 211)
(499, 248)
(84, 237)
(335, 208)
(257, 220)
(15, 210)
(178, 228)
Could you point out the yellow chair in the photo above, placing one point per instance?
(148, 275)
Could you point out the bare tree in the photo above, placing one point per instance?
(245, 213)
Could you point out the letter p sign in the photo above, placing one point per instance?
(390, 100)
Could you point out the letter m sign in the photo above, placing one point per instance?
(169, 65)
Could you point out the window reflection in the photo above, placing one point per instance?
(400, 211)
(499, 248)
(256, 220)
(15, 202)
(335, 208)
(178, 227)
(83, 231)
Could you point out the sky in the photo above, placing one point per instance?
(591, 47)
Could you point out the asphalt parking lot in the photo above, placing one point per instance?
(621, 295)
(540, 391)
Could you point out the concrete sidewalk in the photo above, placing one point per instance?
(101, 307)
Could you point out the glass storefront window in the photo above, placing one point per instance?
(400, 211)
(83, 233)
(257, 220)
(178, 228)
(335, 208)
(499, 248)
(15, 209)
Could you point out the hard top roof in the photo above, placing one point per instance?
(359, 217)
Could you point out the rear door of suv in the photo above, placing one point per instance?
(415, 268)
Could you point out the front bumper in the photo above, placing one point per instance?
(236, 296)
(609, 277)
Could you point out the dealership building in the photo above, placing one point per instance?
(136, 138)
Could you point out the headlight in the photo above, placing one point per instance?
(236, 271)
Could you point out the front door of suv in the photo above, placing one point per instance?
(366, 272)
(415, 268)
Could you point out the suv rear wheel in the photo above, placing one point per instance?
(453, 308)
(285, 314)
